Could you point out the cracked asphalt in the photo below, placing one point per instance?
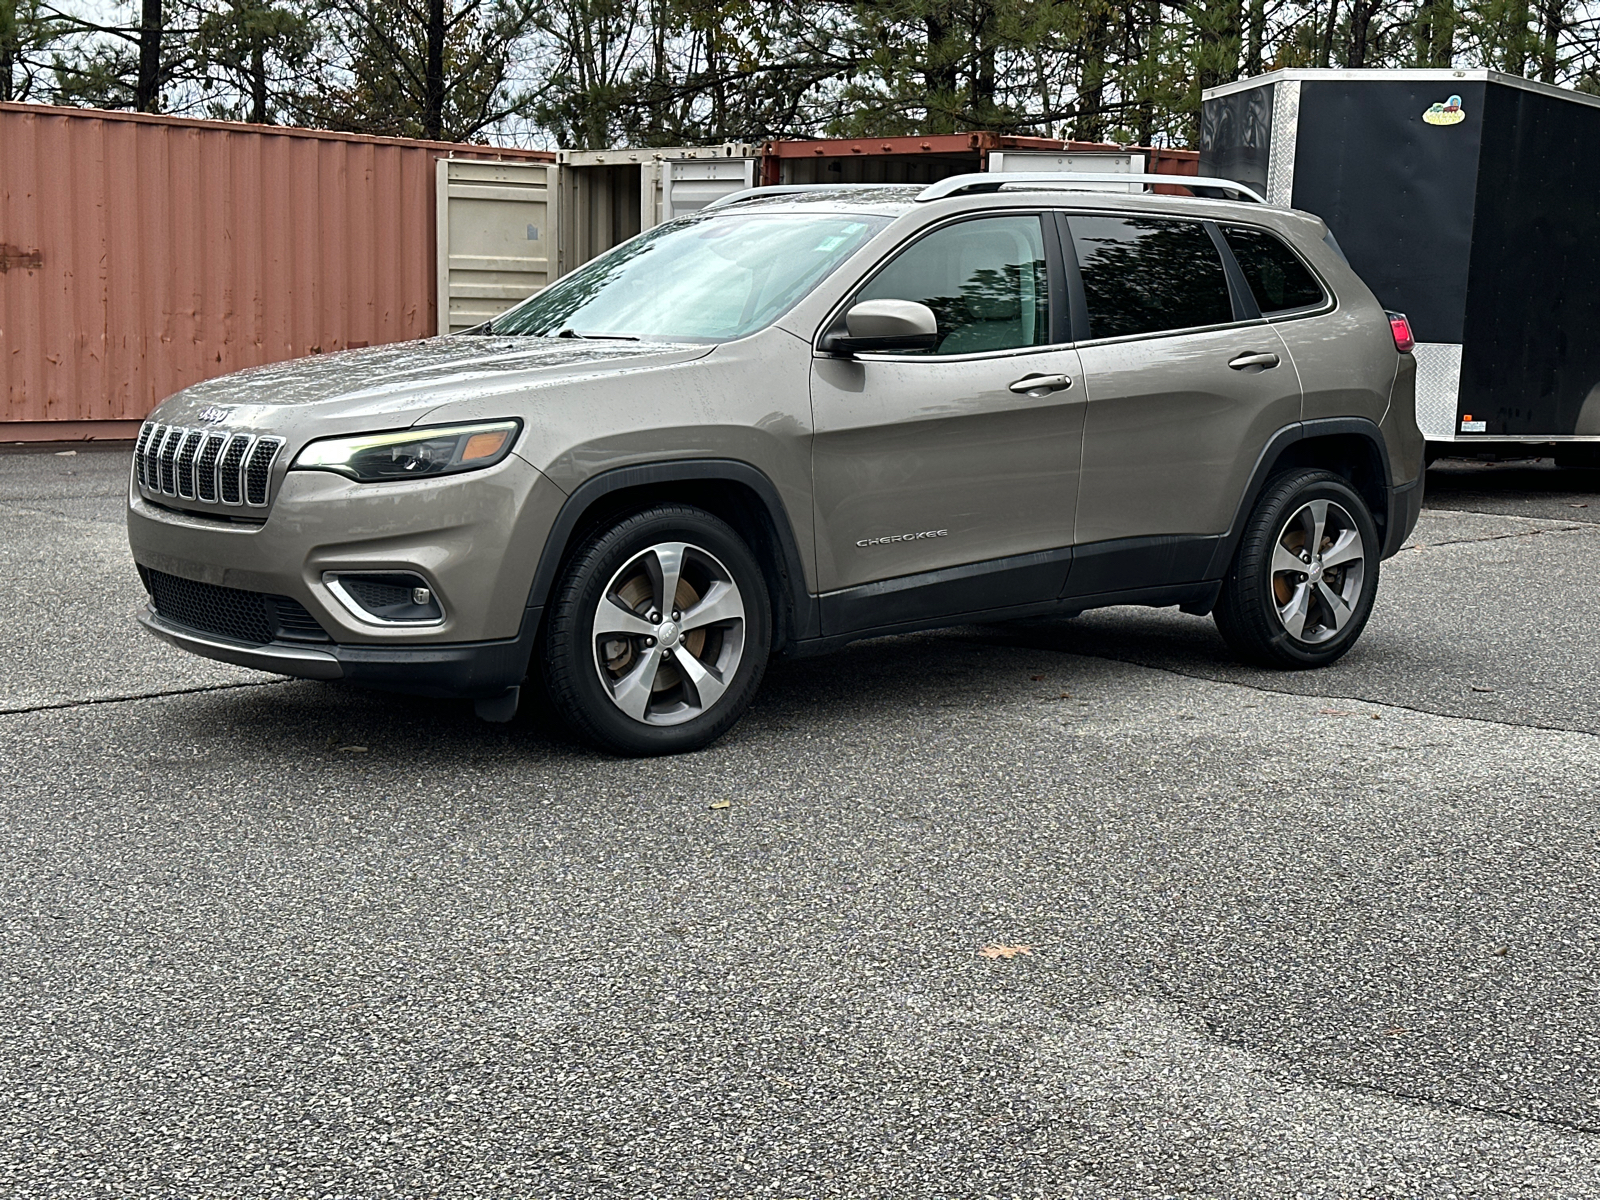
(1048, 909)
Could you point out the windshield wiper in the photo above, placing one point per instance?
(593, 337)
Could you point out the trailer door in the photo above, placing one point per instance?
(496, 230)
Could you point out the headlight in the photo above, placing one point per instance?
(412, 453)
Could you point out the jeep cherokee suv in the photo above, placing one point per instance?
(795, 419)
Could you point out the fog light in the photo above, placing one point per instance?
(385, 597)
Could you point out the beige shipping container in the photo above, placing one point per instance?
(609, 196)
(140, 254)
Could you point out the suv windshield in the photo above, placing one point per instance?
(713, 277)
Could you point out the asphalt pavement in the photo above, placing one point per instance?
(1058, 909)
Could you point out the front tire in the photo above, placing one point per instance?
(659, 633)
(1304, 577)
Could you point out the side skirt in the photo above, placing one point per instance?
(1156, 572)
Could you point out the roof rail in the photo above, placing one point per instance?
(958, 185)
(784, 189)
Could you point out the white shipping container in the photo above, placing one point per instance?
(1121, 162)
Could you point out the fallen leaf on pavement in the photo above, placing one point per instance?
(1005, 951)
(721, 804)
(1476, 688)
(1500, 951)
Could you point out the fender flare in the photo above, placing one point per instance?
(805, 621)
(1299, 431)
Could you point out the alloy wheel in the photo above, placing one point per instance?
(1318, 564)
(668, 633)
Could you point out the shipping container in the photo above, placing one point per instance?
(929, 159)
(609, 196)
(140, 254)
(1466, 200)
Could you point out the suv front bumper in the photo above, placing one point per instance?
(473, 538)
(472, 670)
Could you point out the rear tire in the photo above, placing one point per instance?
(659, 633)
(1303, 579)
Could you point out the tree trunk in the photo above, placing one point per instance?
(1325, 51)
(433, 75)
(1361, 14)
(258, 81)
(147, 91)
(1555, 24)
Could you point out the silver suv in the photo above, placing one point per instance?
(800, 418)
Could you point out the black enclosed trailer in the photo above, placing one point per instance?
(1468, 200)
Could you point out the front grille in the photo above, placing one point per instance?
(210, 467)
(241, 616)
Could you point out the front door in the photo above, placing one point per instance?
(939, 459)
(1185, 384)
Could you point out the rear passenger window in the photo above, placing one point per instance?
(985, 281)
(1146, 275)
(1278, 278)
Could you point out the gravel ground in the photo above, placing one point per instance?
(1062, 909)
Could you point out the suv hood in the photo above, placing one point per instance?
(397, 385)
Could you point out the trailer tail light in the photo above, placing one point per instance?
(1401, 328)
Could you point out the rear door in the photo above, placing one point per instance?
(1186, 384)
(947, 458)
(1341, 353)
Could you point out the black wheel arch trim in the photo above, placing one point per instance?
(1267, 461)
(802, 619)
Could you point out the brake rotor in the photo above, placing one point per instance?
(1281, 587)
(638, 594)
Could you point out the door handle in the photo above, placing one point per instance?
(1245, 361)
(1041, 383)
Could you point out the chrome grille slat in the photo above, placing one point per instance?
(257, 474)
(152, 458)
(230, 469)
(169, 461)
(188, 448)
(205, 466)
(145, 431)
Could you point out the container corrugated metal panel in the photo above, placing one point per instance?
(139, 255)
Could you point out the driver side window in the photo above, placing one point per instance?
(985, 281)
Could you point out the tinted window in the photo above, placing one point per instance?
(1144, 275)
(1277, 276)
(985, 281)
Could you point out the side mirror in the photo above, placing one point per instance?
(885, 325)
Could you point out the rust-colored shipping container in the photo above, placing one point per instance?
(937, 156)
(140, 254)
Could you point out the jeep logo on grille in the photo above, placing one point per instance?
(213, 414)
